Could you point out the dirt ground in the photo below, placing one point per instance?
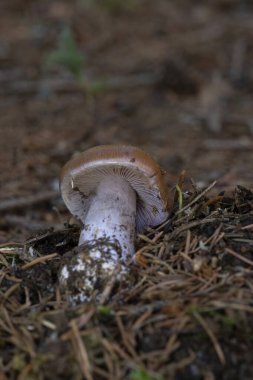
(193, 112)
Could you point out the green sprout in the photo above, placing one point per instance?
(143, 374)
(104, 309)
(68, 55)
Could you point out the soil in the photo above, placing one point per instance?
(186, 310)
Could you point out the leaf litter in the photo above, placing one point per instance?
(184, 313)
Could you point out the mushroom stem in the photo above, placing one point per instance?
(111, 216)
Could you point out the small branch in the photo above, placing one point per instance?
(69, 86)
(30, 200)
(229, 144)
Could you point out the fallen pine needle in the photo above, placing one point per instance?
(81, 351)
(23, 202)
(109, 286)
(39, 260)
(212, 337)
(11, 290)
(240, 257)
(248, 227)
(234, 306)
(204, 192)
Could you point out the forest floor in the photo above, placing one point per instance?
(176, 79)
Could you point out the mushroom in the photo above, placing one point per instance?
(115, 191)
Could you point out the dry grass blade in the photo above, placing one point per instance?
(30, 200)
(11, 245)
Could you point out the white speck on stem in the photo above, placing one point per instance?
(31, 251)
(80, 265)
(64, 273)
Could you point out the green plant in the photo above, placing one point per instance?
(143, 374)
(68, 55)
(105, 310)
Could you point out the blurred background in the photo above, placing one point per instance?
(172, 77)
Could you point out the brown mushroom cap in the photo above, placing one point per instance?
(82, 174)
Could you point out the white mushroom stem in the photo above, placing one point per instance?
(111, 215)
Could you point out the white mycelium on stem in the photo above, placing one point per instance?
(111, 215)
